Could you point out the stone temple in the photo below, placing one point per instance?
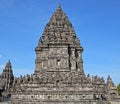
(59, 76)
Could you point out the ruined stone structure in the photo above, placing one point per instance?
(59, 76)
(6, 80)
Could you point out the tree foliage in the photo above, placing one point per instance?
(118, 88)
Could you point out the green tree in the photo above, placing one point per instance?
(118, 88)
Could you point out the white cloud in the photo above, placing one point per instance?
(1, 66)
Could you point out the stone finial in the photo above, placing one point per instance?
(59, 7)
(8, 65)
(102, 81)
(109, 81)
(88, 77)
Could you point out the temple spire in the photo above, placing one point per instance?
(7, 72)
(59, 7)
(109, 81)
(8, 65)
(59, 29)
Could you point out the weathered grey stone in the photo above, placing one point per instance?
(59, 77)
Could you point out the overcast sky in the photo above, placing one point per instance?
(96, 23)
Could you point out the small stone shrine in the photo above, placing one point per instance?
(59, 76)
